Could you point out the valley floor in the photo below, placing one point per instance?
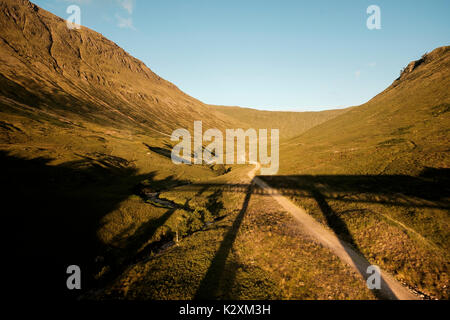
(142, 228)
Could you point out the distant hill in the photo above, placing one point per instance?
(290, 124)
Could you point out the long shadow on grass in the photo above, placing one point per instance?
(340, 228)
(136, 247)
(210, 287)
(430, 189)
(53, 213)
(165, 152)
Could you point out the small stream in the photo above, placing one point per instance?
(154, 198)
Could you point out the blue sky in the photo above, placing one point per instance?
(272, 55)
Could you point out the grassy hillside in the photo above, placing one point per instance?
(290, 124)
(402, 130)
(378, 175)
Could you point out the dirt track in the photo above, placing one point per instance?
(390, 288)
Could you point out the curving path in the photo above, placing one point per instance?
(390, 288)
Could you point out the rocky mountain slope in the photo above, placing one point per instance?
(48, 71)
